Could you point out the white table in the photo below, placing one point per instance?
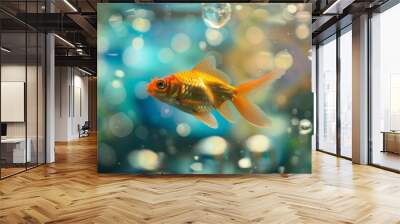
(19, 155)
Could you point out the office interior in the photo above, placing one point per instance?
(333, 59)
(29, 48)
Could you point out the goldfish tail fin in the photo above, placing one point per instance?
(251, 112)
(267, 78)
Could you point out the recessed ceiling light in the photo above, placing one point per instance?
(5, 50)
(70, 5)
(84, 71)
(64, 40)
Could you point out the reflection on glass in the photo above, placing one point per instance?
(385, 114)
(327, 96)
(13, 85)
(22, 91)
(346, 94)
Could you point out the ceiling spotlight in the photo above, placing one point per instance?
(5, 50)
(70, 5)
(84, 71)
(65, 41)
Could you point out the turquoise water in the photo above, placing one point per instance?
(139, 42)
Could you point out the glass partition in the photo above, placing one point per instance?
(346, 93)
(327, 96)
(22, 78)
(14, 153)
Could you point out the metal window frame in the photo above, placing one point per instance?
(339, 32)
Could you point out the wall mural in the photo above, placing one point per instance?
(213, 88)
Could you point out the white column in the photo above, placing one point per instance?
(360, 90)
(50, 91)
(50, 99)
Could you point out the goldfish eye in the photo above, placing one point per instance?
(161, 84)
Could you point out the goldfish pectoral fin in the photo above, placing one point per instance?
(208, 119)
(226, 112)
(251, 112)
(208, 66)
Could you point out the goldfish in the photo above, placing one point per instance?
(205, 88)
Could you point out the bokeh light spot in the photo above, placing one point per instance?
(303, 16)
(214, 146)
(141, 24)
(120, 125)
(258, 143)
(138, 43)
(283, 60)
(166, 111)
(254, 35)
(196, 166)
(114, 96)
(214, 37)
(183, 129)
(264, 60)
(116, 84)
(202, 45)
(305, 127)
(302, 31)
(244, 163)
(181, 42)
(165, 55)
(292, 8)
(119, 73)
(115, 20)
(144, 159)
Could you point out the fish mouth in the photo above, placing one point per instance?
(149, 90)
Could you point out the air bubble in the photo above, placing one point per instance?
(216, 15)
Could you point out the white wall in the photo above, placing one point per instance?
(33, 127)
(71, 102)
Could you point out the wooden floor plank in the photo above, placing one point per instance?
(71, 191)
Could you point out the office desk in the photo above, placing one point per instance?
(13, 150)
(391, 141)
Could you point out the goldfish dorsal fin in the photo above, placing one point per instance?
(208, 119)
(208, 66)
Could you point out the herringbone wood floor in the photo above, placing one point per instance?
(71, 191)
